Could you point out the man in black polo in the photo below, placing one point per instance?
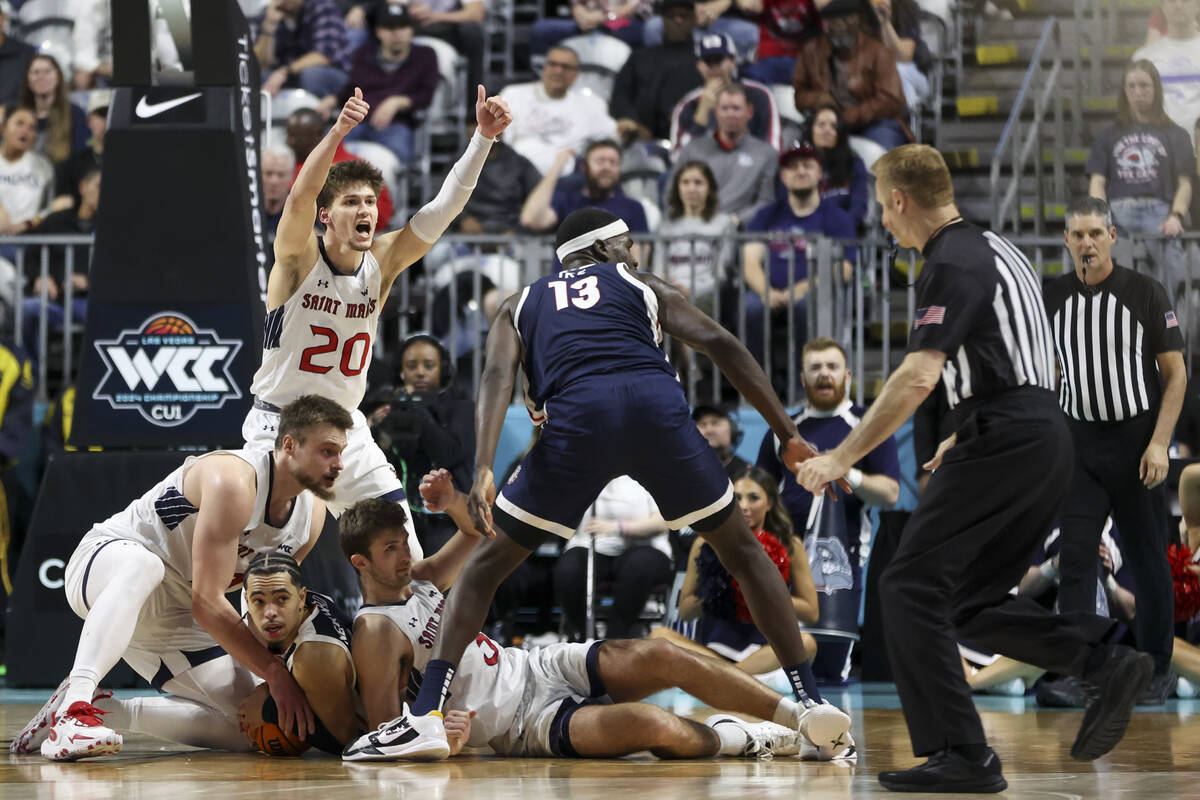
(981, 329)
(1122, 386)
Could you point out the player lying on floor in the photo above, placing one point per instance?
(561, 700)
(313, 638)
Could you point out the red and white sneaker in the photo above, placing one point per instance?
(31, 736)
(79, 733)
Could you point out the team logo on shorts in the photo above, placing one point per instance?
(167, 369)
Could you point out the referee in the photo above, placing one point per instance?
(1122, 385)
(981, 328)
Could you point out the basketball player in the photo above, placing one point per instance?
(308, 631)
(608, 404)
(548, 701)
(981, 331)
(150, 584)
(325, 292)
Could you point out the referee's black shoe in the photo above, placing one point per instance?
(949, 771)
(1120, 677)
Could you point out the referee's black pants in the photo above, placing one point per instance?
(971, 539)
(1106, 480)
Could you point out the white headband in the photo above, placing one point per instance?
(586, 240)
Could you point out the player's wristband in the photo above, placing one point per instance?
(854, 477)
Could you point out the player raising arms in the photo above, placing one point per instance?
(150, 584)
(608, 403)
(561, 700)
(325, 292)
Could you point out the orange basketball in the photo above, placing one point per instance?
(269, 738)
(167, 324)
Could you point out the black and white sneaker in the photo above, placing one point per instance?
(763, 739)
(406, 738)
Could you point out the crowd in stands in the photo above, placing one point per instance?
(694, 110)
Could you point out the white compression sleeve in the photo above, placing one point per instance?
(174, 719)
(436, 215)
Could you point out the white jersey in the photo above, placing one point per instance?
(325, 624)
(490, 680)
(319, 341)
(163, 521)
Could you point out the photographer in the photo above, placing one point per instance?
(424, 424)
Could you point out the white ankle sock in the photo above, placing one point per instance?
(733, 739)
(82, 686)
(787, 713)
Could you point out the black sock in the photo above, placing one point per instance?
(975, 753)
(435, 687)
(804, 683)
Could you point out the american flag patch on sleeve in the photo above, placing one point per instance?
(1171, 321)
(933, 315)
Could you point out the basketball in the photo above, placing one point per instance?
(168, 324)
(267, 737)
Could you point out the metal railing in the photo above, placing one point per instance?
(466, 277)
(1020, 140)
(1096, 28)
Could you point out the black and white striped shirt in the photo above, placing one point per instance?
(1108, 342)
(979, 302)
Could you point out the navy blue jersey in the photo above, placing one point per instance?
(583, 322)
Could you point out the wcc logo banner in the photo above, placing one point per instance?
(167, 369)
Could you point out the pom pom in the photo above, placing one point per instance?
(779, 557)
(1187, 583)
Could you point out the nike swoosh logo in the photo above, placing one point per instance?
(147, 110)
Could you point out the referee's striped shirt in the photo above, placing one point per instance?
(979, 301)
(1107, 342)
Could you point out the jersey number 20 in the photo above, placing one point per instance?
(331, 345)
(587, 293)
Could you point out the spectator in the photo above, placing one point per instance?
(714, 18)
(61, 126)
(695, 252)
(1177, 58)
(459, 23)
(15, 56)
(354, 17)
(826, 418)
(68, 174)
(1143, 166)
(744, 165)
(654, 79)
(709, 594)
(844, 177)
(718, 427)
(26, 177)
(397, 79)
(92, 38)
(1156, 26)
(900, 30)
(780, 278)
(849, 68)
(550, 116)
(716, 61)
(507, 180)
(302, 43)
(632, 553)
(304, 129)
(426, 425)
(78, 220)
(601, 188)
(612, 17)
(782, 26)
(278, 167)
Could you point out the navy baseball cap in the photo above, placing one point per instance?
(715, 45)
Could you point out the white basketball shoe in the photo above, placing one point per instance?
(825, 733)
(406, 738)
(763, 739)
(35, 732)
(79, 733)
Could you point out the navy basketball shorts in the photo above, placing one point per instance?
(635, 424)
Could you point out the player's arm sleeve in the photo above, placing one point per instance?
(949, 300)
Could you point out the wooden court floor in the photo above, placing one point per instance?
(1159, 759)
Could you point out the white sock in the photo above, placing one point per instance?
(733, 739)
(82, 686)
(175, 719)
(787, 713)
